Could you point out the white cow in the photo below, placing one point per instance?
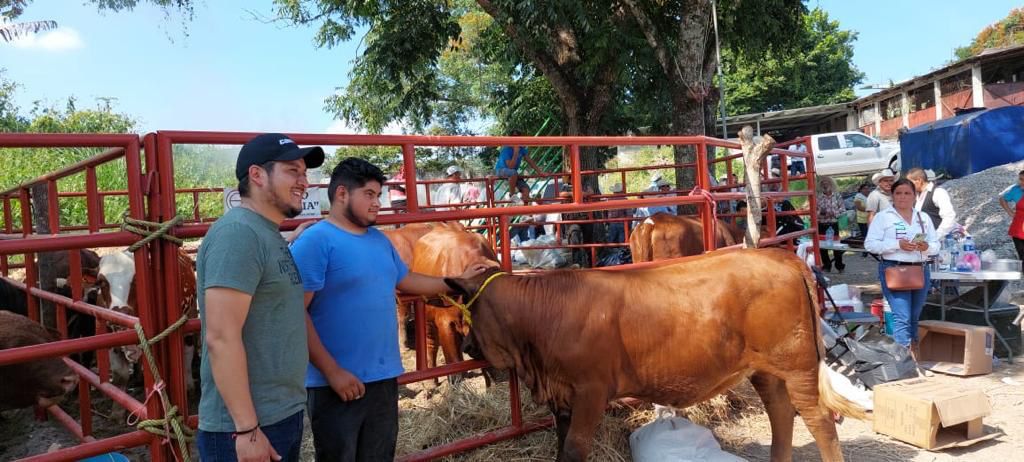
(116, 283)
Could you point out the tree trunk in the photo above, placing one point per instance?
(689, 83)
(45, 260)
(582, 124)
(752, 157)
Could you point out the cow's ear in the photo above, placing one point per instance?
(463, 287)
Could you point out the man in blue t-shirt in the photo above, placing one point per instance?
(507, 166)
(349, 273)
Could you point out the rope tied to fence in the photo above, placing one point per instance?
(150, 230)
(172, 425)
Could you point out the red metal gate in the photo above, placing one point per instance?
(152, 195)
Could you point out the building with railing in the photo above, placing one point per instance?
(991, 79)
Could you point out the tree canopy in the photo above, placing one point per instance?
(1008, 31)
(22, 165)
(817, 70)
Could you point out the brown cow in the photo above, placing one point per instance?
(676, 334)
(447, 251)
(89, 259)
(404, 240)
(663, 236)
(40, 382)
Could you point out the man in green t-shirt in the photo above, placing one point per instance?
(251, 305)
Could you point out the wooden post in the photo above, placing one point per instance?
(45, 263)
(753, 155)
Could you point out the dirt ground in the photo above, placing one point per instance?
(427, 419)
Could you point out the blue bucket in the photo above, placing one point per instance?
(108, 457)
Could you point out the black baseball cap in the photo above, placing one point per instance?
(273, 147)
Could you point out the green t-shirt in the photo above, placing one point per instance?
(244, 251)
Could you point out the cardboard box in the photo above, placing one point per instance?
(931, 414)
(955, 349)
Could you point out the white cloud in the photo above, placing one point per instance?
(60, 39)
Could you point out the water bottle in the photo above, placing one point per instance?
(945, 257)
(829, 235)
(969, 244)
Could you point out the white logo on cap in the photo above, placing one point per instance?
(285, 141)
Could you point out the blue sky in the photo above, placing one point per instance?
(235, 72)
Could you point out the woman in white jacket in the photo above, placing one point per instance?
(902, 235)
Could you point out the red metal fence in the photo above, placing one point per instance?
(152, 195)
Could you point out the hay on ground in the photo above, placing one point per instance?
(468, 409)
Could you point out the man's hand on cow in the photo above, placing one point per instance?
(477, 269)
(255, 447)
(346, 385)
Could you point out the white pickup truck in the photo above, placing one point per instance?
(846, 153)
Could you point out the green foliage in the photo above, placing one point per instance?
(430, 162)
(817, 70)
(1008, 31)
(10, 120)
(205, 167)
(21, 165)
(396, 75)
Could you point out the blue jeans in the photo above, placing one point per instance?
(285, 436)
(525, 233)
(616, 232)
(906, 306)
(507, 173)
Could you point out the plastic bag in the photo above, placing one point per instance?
(871, 359)
(544, 258)
(517, 255)
(675, 439)
(615, 257)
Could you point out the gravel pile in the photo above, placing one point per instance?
(976, 200)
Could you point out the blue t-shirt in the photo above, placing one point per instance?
(506, 154)
(353, 308)
(1013, 193)
(661, 208)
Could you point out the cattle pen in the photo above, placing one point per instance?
(32, 226)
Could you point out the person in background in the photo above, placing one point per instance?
(509, 159)
(860, 204)
(655, 180)
(396, 192)
(902, 235)
(1013, 195)
(741, 209)
(662, 187)
(880, 199)
(449, 193)
(787, 223)
(830, 206)
(471, 195)
(934, 201)
(617, 229)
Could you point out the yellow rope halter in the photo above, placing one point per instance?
(464, 308)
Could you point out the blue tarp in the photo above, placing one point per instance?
(966, 143)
